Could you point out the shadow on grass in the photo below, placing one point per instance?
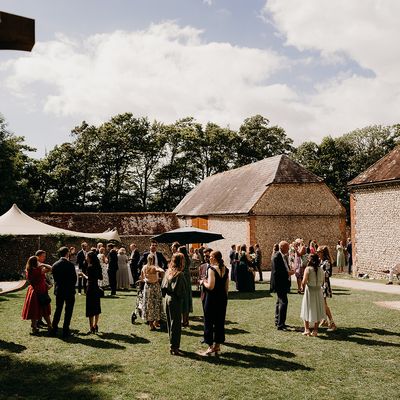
(254, 357)
(361, 336)
(33, 380)
(200, 318)
(228, 331)
(260, 350)
(8, 296)
(92, 341)
(129, 339)
(11, 347)
(258, 294)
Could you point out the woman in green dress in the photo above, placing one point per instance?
(187, 306)
(173, 290)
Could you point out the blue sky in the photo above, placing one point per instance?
(314, 67)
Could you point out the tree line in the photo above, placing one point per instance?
(133, 164)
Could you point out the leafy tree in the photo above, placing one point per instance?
(258, 140)
(13, 161)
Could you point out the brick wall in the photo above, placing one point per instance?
(377, 229)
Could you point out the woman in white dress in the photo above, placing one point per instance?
(104, 266)
(340, 258)
(122, 273)
(312, 306)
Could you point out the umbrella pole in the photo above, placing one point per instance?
(38, 242)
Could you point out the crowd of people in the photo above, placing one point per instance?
(165, 287)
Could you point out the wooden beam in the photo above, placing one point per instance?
(16, 33)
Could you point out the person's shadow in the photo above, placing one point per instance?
(252, 357)
(361, 336)
(11, 347)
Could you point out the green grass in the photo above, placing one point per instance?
(127, 361)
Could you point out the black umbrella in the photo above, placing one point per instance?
(188, 235)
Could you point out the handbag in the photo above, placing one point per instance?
(44, 299)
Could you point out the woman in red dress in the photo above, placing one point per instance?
(37, 288)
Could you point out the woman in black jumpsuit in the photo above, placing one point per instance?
(215, 302)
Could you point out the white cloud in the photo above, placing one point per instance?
(208, 2)
(165, 72)
(363, 31)
(168, 71)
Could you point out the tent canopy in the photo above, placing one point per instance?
(16, 222)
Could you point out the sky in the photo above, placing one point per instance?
(313, 67)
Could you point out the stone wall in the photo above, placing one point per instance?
(291, 211)
(233, 229)
(376, 229)
(327, 230)
(298, 199)
(126, 223)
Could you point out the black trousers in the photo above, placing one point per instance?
(82, 282)
(281, 309)
(259, 271)
(134, 272)
(214, 321)
(69, 301)
(112, 279)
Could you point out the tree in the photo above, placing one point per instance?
(13, 161)
(258, 140)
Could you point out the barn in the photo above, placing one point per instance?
(265, 202)
(375, 216)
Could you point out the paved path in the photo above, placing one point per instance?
(8, 287)
(365, 285)
(358, 284)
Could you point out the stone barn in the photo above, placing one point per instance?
(265, 202)
(375, 216)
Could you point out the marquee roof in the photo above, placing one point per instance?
(16, 222)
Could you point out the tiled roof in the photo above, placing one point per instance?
(385, 170)
(237, 191)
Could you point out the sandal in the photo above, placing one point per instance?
(314, 333)
(332, 327)
(306, 333)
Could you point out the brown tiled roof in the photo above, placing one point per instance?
(237, 191)
(385, 170)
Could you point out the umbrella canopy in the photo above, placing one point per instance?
(188, 235)
(16, 222)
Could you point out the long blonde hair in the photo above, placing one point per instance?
(150, 260)
(175, 265)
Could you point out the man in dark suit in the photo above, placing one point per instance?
(258, 260)
(134, 261)
(112, 268)
(64, 275)
(280, 283)
(81, 261)
(160, 260)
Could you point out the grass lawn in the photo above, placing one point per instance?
(124, 361)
